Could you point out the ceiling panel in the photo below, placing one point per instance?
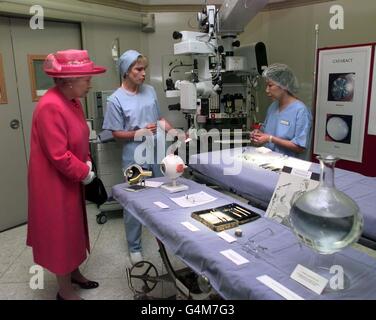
(182, 2)
(189, 5)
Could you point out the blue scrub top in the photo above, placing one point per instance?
(293, 123)
(129, 112)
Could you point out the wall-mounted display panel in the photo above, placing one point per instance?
(372, 107)
(341, 101)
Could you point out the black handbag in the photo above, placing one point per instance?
(95, 191)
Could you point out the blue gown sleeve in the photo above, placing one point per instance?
(157, 103)
(302, 128)
(114, 119)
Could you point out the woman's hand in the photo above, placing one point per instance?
(149, 130)
(260, 138)
(253, 133)
(152, 127)
(89, 178)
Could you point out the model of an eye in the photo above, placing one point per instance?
(343, 88)
(135, 174)
(337, 128)
(172, 167)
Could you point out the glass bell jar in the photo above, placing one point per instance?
(325, 219)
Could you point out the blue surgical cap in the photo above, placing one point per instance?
(283, 76)
(126, 59)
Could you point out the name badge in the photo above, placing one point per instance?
(285, 122)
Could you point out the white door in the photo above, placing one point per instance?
(13, 166)
(17, 42)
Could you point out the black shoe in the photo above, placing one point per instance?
(59, 297)
(86, 285)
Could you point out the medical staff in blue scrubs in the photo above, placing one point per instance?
(288, 121)
(133, 111)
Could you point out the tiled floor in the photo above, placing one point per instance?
(107, 263)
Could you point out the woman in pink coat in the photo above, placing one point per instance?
(59, 167)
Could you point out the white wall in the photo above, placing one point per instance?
(160, 43)
(100, 25)
(98, 39)
(289, 35)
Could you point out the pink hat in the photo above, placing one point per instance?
(70, 63)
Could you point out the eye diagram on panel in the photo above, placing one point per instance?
(341, 86)
(338, 128)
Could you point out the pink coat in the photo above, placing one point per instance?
(57, 223)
